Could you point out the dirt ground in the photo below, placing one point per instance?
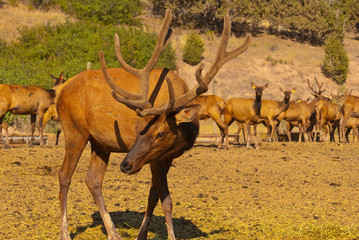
(282, 191)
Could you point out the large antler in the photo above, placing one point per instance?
(222, 57)
(140, 102)
(320, 91)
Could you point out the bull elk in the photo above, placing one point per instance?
(244, 111)
(24, 100)
(113, 110)
(349, 107)
(212, 107)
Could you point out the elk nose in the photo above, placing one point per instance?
(125, 167)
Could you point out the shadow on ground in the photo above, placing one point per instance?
(184, 229)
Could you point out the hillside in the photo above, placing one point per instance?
(299, 61)
(13, 17)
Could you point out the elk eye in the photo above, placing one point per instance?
(160, 135)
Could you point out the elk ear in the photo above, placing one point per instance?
(281, 89)
(188, 114)
(265, 86)
(293, 90)
(253, 86)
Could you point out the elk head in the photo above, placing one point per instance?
(58, 80)
(165, 131)
(258, 89)
(316, 93)
(287, 94)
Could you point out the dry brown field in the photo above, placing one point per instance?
(281, 191)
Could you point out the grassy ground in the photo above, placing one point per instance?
(283, 191)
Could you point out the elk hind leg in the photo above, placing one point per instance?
(4, 126)
(33, 120)
(94, 181)
(223, 129)
(73, 150)
(342, 123)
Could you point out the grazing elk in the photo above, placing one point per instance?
(244, 111)
(23, 100)
(271, 109)
(113, 110)
(212, 107)
(349, 107)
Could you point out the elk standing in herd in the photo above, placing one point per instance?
(152, 130)
(349, 107)
(23, 100)
(301, 113)
(244, 111)
(352, 124)
(271, 109)
(327, 117)
(212, 107)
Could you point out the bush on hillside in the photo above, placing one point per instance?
(193, 49)
(311, 20)
(336, 62)
(106, 12)
(68, 47)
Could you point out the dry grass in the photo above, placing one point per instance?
(14, 17)
(284, 191)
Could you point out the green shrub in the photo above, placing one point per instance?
(106, 12)
(193, 49)
(68, 47)
(336, 62)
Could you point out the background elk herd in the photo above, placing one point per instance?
(153, 116)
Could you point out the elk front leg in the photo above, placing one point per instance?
(254, 135)
(40, 116)
(304, 130)
(272, 127)
(153, 198)
(159, 190)
(94, 180)
(41, 128)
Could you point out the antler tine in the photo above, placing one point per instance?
(320, 91)
(221, 58)
(222, 55)
(138, 100)
(311, 88)
(117, 91)
(163, 109)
